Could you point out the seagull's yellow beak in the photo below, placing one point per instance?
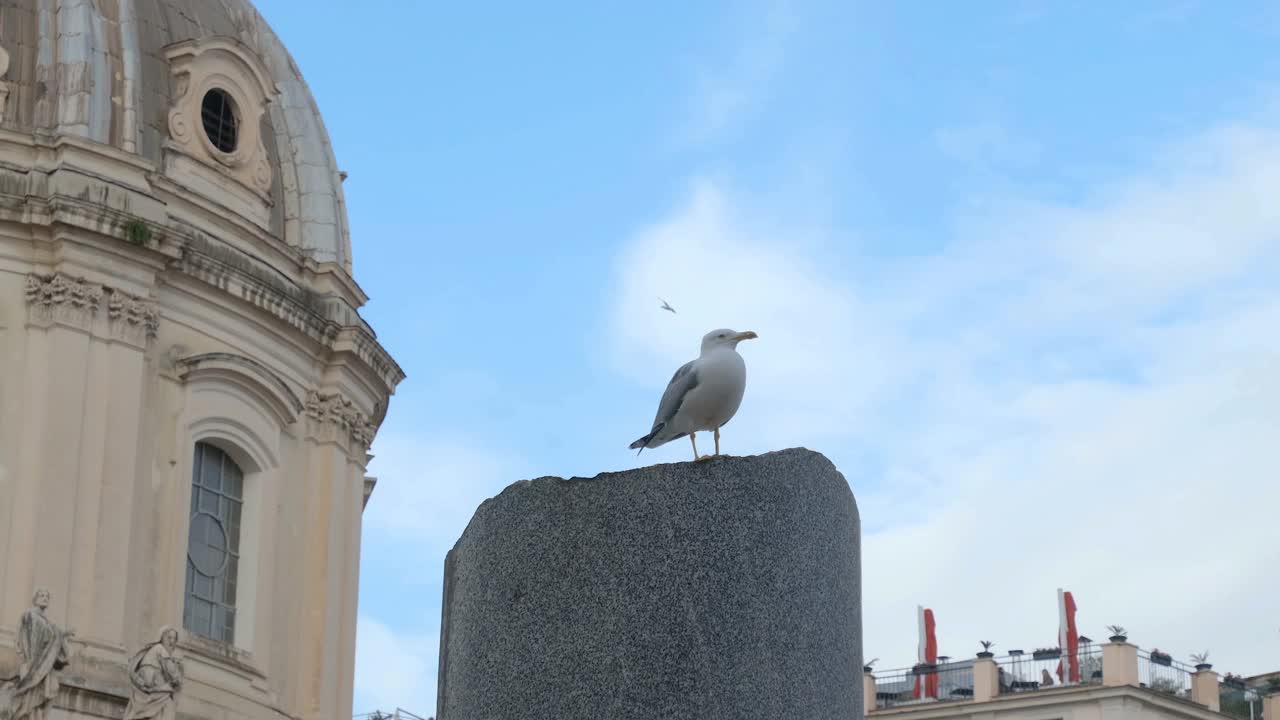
(748, 335)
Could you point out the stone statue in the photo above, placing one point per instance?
(156, 675)
(42, 650)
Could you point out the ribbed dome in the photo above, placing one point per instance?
(104, 70)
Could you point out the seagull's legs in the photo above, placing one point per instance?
(717, 441)
(696, 456)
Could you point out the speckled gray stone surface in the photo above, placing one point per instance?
(718, 590)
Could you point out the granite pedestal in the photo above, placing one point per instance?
(717, 590)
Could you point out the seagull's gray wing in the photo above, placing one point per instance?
(685, 379)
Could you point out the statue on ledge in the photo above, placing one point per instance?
(42, 650)
(155, 673)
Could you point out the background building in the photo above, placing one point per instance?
(1110, 681)
(187, 391)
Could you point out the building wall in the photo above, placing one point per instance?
(116, 357)
(159, 290)
(1072, 703)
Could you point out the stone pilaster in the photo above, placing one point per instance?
(337, 437)
(84, 363)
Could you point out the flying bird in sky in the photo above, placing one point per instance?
(666, 306)
(703, 395)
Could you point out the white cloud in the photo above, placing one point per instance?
(1080, 396)
(718, 271)
(394, 670)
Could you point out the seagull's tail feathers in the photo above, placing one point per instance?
(643, 442)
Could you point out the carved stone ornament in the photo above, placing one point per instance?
(201, 66)
(43, 651)
(62, 300)
(130, 318)
(333, 416)
(4, 86)
(155, 677)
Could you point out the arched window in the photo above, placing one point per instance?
(213, 544)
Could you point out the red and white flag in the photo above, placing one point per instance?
(1068, 638)
(926, 653)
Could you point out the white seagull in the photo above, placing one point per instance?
(703, 395)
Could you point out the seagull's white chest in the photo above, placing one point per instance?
(722, 380)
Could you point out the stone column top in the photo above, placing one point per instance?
(728, 588)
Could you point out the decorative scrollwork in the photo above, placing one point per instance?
(262, 172)
(179, 129)
(218, 65)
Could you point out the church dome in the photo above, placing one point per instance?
(202, 90)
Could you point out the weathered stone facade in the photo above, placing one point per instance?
(163, 285)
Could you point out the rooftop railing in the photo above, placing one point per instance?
(1042, 669)
(1114, 664)
(1160, 672)
(1240, 702)
(924, 684)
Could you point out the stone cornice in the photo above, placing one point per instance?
(86, 171)
(335, 273)
(241, 275)
(137, 190)
(371, 352)
(327, 320)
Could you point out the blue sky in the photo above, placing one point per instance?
(1013, 266)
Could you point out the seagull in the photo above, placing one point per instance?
(666, 306)
(703, 395)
